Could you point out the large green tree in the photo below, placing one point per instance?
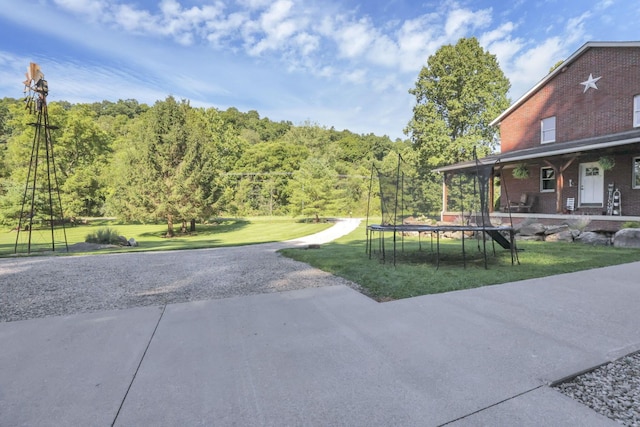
(4, 132)
(169, 163)
(82, 152)
(149, 179)
(314, 188)
(458, 93)
(252, 127)
(262, 176)
(15, 160)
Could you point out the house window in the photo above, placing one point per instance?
(636, 172)
(548, 130)
(592, 171)
(636, 111)
(547, 179)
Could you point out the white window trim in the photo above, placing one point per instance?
(634, 177)
(543, 130)
(636, 111)
(542, 189)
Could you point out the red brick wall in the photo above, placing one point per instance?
(621, 176)
(607, 110)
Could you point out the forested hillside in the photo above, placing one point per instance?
(174, 162)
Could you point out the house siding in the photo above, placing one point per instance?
(579, 114)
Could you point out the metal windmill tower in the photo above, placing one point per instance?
(41, 215)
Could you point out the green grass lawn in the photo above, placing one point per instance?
(415, 272)
(150, 237)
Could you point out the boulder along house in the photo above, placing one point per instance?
(570, 145)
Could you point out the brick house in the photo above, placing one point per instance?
(574, 138)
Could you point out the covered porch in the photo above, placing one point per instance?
(559, 182)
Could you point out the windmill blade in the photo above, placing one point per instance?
(34, 73)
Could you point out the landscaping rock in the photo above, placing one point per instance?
(562, 236)
(534, 238)
(532, 229)
(627, 238)
(132, 242)
(458, 235)
(579, 222)
(593, 238)
(123, 241)
(555, 229)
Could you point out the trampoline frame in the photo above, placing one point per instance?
(483, 227)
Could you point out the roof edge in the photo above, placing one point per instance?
(520, 155)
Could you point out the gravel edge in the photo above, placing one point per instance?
(612, 390)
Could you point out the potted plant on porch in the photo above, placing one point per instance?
(521, 171)
(606, 163)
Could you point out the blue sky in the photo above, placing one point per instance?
(339, 63)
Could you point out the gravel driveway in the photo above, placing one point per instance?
(52, 286)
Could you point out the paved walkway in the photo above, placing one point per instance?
(325, 356)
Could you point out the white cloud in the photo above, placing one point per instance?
(254, 4)
(93, 8)
(182, 24)
(384, 51)
(276, 33)
(603, 4)
(500, 43)
(136, 21)
(277, 12)
(388, 82)
(353, 38)
(575, 29)
(355, 76)
(218, 30)
(460, 21)
(536, 61)
(415, 42)
(503, 31)
(307, 43)
(326, 71)
(295, 31)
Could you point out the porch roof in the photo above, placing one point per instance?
(550, 150)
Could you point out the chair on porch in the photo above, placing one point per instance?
(523, 205)
(571, 204)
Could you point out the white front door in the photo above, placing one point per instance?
(591, 184)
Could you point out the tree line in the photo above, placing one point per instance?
(174, 162)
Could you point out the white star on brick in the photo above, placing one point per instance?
(590, 82)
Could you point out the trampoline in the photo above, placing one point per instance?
(476, 222)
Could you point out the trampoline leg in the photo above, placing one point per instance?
(464, 253)
(437, 250)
